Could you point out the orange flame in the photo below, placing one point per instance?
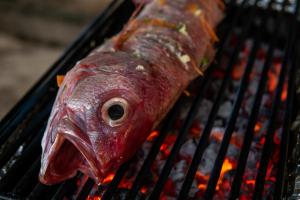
(284, 92)
(238, 71)
(93, 198)
(250, 182)
(153, 135)
(125, 184)
(201, 186)
(257, 127)
(272, 81)
(227, 166)
(108, 178)
(164, 148)
(144, 190)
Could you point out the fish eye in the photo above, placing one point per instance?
(114, 111)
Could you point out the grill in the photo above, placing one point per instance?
(271, 25)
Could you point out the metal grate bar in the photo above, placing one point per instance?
(28, 181)
(42, 191)
(88, 186)
(269, 142)
(285, 135)
(153, 152)
(193, 111)
(200, 149)
(8, 150)
(115, 182)
(23, 163)
(237, 181)
(65, 188)
(210, 190)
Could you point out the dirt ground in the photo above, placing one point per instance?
(33, 34)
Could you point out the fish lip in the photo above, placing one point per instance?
(83, 147)
(46, 163)
(88, 155)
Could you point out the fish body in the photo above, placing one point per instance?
(110, 101)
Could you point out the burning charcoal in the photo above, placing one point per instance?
(206, 106)
(194, 189)
(188, 149)
(208, 159)
(178, 171)
(225, 109)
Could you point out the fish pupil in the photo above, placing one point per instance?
(115, 112)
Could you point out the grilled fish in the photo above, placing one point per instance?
(110, 101)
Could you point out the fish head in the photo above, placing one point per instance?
(96, 123)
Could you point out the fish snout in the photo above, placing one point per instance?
(70, 152)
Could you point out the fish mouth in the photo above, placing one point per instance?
(68, 155)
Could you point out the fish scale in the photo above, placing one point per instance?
(143, 69)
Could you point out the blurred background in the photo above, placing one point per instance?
(33, 33)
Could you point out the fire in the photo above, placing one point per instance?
(272, 82)
(202, 180)
(238, 71)
(165, 149)
(153, 135)
(93, 198)
(108, 178)
(227, 166)
(200, 176)
(125, 184)
(250, 182)
(257, 127)
(284, 92)
(201, 186)
(144, 190)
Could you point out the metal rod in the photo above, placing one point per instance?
(23, 162)
(86, 189)
(112, 187)
(29, 180)
(189, 120)
(153, 152)
(269, 142)
(203, 143)
(285, 135)
(214, 176)
(235, 189)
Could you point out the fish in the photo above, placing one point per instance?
(109, 102)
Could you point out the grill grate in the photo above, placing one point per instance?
(21, 130)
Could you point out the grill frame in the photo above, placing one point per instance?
(29, 115)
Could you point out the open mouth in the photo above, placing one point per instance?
(65, 158)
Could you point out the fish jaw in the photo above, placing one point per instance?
(68, 154)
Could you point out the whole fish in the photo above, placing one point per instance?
(111, 100)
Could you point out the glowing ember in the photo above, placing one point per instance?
(93, 198)
(144, 190)
(257, 127)
(153, 135)
(108, 179)
(272, 82)
(284, 92)
(227, 166)
(238, 71)
(250, 182)
(201, 186)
